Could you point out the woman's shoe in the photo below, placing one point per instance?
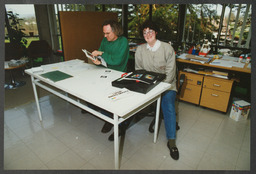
(174, 152)
(120, 132)
(106, 127)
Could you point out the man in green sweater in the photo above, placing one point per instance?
(114, 48)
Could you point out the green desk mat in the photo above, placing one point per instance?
(56, 75)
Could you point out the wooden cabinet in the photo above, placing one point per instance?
(207, 91)
(216, 93)
(191, 89)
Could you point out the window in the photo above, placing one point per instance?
(25, 14)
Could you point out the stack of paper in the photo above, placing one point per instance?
(37, 69)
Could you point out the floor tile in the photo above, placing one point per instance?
(89, 148)
(223, 152)
(66, 161)
(10, 138)
(243, 161)
(29, 161)
(88, 166)
(170, 164)
(49, 150)
(210, 162)
(15, 151)
(105, 160)
(150, 156)
(68, 139)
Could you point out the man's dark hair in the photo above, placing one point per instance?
(115, 26)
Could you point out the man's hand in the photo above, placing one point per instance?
(97, 53)
(97, 62)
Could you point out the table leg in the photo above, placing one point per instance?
(36, 98)
(157, 118)
(116, 142)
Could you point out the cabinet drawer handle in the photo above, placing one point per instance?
(190, 79)
(189, 89)
(216, 85)
(215, 95)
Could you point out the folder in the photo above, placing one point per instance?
(56, 75)
(139, 81)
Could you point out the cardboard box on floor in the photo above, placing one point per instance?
(240, 110)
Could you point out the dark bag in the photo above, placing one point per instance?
(139, 81)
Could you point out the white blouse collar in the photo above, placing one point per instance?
(155, 47)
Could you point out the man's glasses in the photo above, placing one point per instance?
(148, 32)
(106, 33)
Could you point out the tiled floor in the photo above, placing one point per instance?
(68, 139)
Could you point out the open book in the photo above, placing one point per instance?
(90, 56)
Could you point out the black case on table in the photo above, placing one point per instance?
(139, 81)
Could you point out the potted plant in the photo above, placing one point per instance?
(15, 30)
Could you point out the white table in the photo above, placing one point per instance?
(92, 84)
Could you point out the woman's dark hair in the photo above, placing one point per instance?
(148, 24)
(115, 26)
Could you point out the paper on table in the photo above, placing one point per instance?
(230, 58)
(6, 64)
(194, 58)
(238, 64)
(37, 69)
(182, 56)
(120, 94)
(220, 62)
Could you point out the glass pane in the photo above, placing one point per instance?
(25, 13)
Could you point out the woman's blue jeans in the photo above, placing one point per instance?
(169, 113)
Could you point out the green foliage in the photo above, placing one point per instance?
(15, 30)
(201, 20)
(198, 20)
(165, 16)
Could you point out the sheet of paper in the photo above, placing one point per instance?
(37, 69)
(182, 56)
(103, 62)
(88, 54)
(230, 58)
(6, 64)
(238, 64)
(220, 62)
(120, 94)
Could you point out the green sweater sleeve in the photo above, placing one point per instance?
(115, 53)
